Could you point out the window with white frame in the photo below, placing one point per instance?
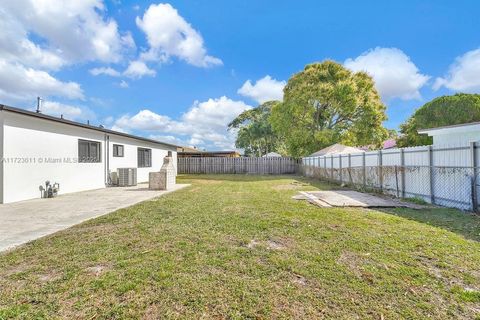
(118, 150)
(89, 151)
(144, 158)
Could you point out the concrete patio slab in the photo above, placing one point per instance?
(24, 221)
(350, 198)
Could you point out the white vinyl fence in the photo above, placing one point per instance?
(442, 175)
(243, 165)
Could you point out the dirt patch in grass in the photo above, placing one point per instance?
(356, 264)
(270, 244)
(50, 276)
(299, 280)
(277, 244)
(97, 270)
(152, 313)
(290, 186)
(253, 244)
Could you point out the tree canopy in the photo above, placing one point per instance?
(442, 111)
(255, 133)
(325, 104)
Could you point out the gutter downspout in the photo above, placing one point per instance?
(107, 161)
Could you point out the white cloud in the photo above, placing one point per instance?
(67, 111)
(106, 71)
(118, 129)
(144, 120)
(137, 69)
(169, 139)
(123, 84)
(41, 36)
(463, 74)
(73, 31)
(395, 75)
(18, 83)
(265, 89)
(204, 124)
(169, 35)
(16, 47)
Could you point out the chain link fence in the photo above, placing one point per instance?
(448, 186)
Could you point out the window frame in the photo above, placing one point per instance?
(145, 152)
(90, 144)
(116, 148)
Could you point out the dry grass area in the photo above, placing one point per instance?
(239, 247)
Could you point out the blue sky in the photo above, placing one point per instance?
(174, 71)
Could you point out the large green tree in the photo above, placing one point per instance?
(441, 111)
(255, 134)
(325, 104)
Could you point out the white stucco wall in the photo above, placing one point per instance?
(1, 157)
(454, 135)
(36, 150)
(129, 160)
(455, 138)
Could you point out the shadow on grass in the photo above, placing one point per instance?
(463, 223)
(237, 177)
(256, 178)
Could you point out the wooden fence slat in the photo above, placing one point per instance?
(256, 165)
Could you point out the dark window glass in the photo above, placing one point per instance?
(89, 151)
(144, 158)
(117, 150)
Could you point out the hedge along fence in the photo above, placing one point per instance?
(256, 165)
(446, 176)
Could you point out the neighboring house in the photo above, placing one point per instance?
(272, 155)
(335, 149)
(187, 152)
(389, 144)
(459, 134)
(35, 148)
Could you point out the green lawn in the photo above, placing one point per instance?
(239, 247)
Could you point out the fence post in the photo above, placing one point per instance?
(340, 167)
(350, 168)
(473, 159)
(331, 167)
(380, 170)
(402, 171)
(430, 166)
(324, 172)
(364, 162)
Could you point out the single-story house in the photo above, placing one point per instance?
(336, 148)
(458, 134)
(35, 148)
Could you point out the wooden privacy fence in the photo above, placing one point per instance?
(280, 165)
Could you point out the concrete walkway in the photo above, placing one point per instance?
(24, 221)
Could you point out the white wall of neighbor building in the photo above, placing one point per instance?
(455, 138)
(35, 150)
(454, 135)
